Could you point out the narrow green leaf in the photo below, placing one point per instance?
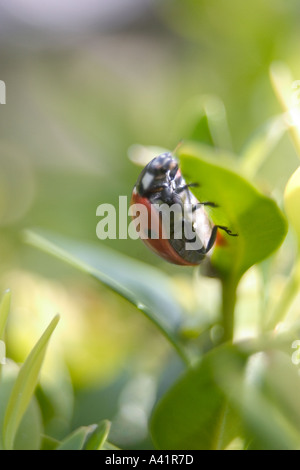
(4, 311)
(99, 436)
(24, 386)
(145, 287)
(28, 436)
(256, 218)
(77, 439)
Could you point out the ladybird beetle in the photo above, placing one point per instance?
(161, 184)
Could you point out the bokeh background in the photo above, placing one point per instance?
(84, 82)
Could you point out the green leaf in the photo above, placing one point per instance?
(195, 413)
(24, 386)
(256, 218)
(77, 439)
(145, 287)
(4, 311)
(28, 436)
(259, 388)
(99, 436)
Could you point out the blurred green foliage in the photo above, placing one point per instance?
(76, 101)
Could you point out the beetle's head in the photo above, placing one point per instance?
(157, 174)
(163, 164)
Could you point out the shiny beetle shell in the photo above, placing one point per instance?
(161, 183)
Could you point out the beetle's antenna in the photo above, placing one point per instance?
(178, 146)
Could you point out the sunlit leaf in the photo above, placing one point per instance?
(256, 218)
(24, 386)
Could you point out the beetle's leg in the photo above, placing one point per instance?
(212, 239)
(213, 236)
(206, 203)
(186, 186)
(195, 185)
(227, 230)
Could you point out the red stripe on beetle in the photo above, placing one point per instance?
(161, 245)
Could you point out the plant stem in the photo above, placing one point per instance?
(229, 286)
